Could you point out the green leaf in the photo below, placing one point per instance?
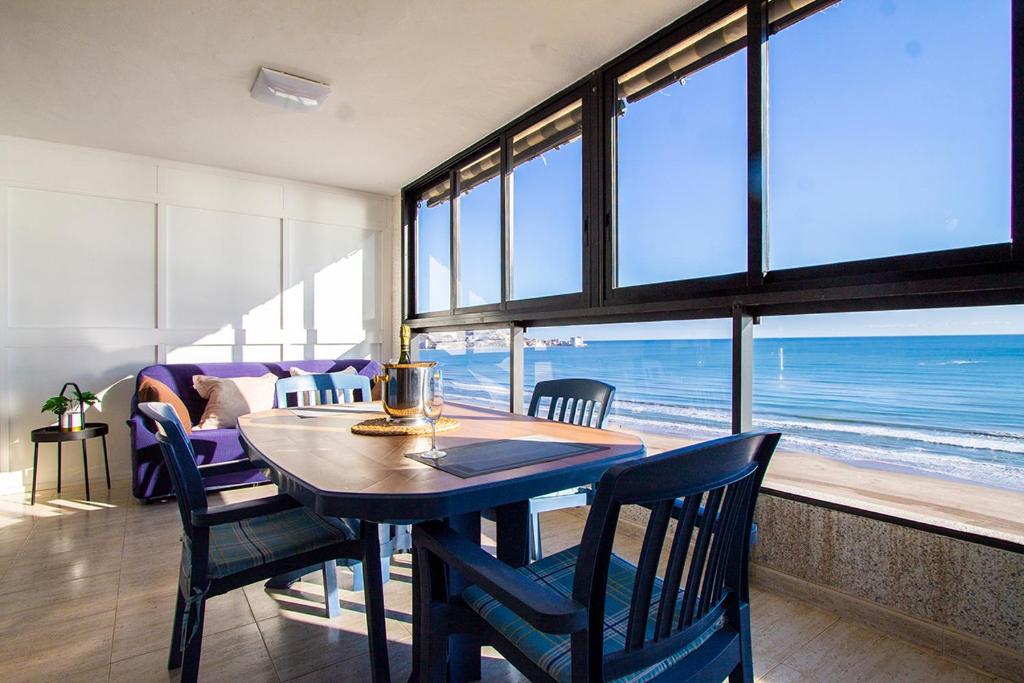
(58, 405)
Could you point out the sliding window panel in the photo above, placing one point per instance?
(479, 242)
(889, 130)
(433, 243)
(681, 159)
(917, 413)
(547, 206)
(671, 379)
(474, 364)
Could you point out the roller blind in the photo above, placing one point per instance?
(556, 130)
(698, 50)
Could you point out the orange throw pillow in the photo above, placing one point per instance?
(154, 390)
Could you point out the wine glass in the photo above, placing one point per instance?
(433, 406)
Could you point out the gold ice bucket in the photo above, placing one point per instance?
(402, 387)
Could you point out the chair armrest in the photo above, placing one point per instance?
(236, 512)
(218, 468)
(540, 606)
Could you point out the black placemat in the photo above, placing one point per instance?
(474, 459)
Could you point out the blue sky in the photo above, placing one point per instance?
(889, 133)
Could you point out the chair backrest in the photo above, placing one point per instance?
(180, 460)
(709, 489)
(575, 401)
(333, 387)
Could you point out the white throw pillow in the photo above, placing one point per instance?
(295, 372)
(228, 398)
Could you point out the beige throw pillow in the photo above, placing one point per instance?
(228, 398)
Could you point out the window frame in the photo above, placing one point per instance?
(612, 294)
(966, 276)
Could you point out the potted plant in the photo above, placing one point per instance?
(70, 409)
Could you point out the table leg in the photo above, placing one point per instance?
(35, 469)
(512, 523)
(58, 467)
(106, 463)
(85, 468)
(463, 650)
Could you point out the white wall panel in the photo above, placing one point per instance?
(259, 353)
(209, 189)
(74, 169)
(223, 269)
(332, 284)
(79, 261)
(35, 374)
(338, 208)
(200, 354)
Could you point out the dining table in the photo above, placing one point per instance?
(313, 455)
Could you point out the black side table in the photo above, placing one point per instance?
(55, 435)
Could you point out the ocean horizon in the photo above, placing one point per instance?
(941, 406)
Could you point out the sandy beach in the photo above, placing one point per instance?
(952, 504)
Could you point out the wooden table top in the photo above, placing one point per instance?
(319, 461)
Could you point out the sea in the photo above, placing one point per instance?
(942, 406)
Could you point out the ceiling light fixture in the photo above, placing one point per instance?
(287, 91)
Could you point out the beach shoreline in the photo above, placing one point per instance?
(947, 503)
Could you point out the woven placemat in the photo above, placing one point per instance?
(379, 426)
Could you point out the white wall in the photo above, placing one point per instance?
(113, 261)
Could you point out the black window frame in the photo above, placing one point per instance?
(725, 283)
(978, 275)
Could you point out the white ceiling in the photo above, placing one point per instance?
(413, 82)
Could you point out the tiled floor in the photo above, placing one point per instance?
(87, 592)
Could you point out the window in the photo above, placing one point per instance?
(433, 249)
(479, 212)
(474, 365)
(889, 130)
(672, 380)
(681, 160)
(547, 206)
(917, 411)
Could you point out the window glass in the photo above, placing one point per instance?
(474, 365)
(921, 411)
(433, 250)
(672, 380)
(480, 231)
(889, 130)
(547, 206)
(681, 161)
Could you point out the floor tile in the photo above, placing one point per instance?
(52, 647)
(234, 656)
(145, 625)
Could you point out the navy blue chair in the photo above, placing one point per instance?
(231, 546)
(328, 387)
(586, 614)
(334, 388)
(583, 402)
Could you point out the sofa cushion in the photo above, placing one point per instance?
(154, 390)
(227, 399)
(178, 376)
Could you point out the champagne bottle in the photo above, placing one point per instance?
(406, 336)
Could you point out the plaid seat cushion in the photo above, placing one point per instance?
(551, 651)
(253, 542)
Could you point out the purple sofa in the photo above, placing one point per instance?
(149, 478)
